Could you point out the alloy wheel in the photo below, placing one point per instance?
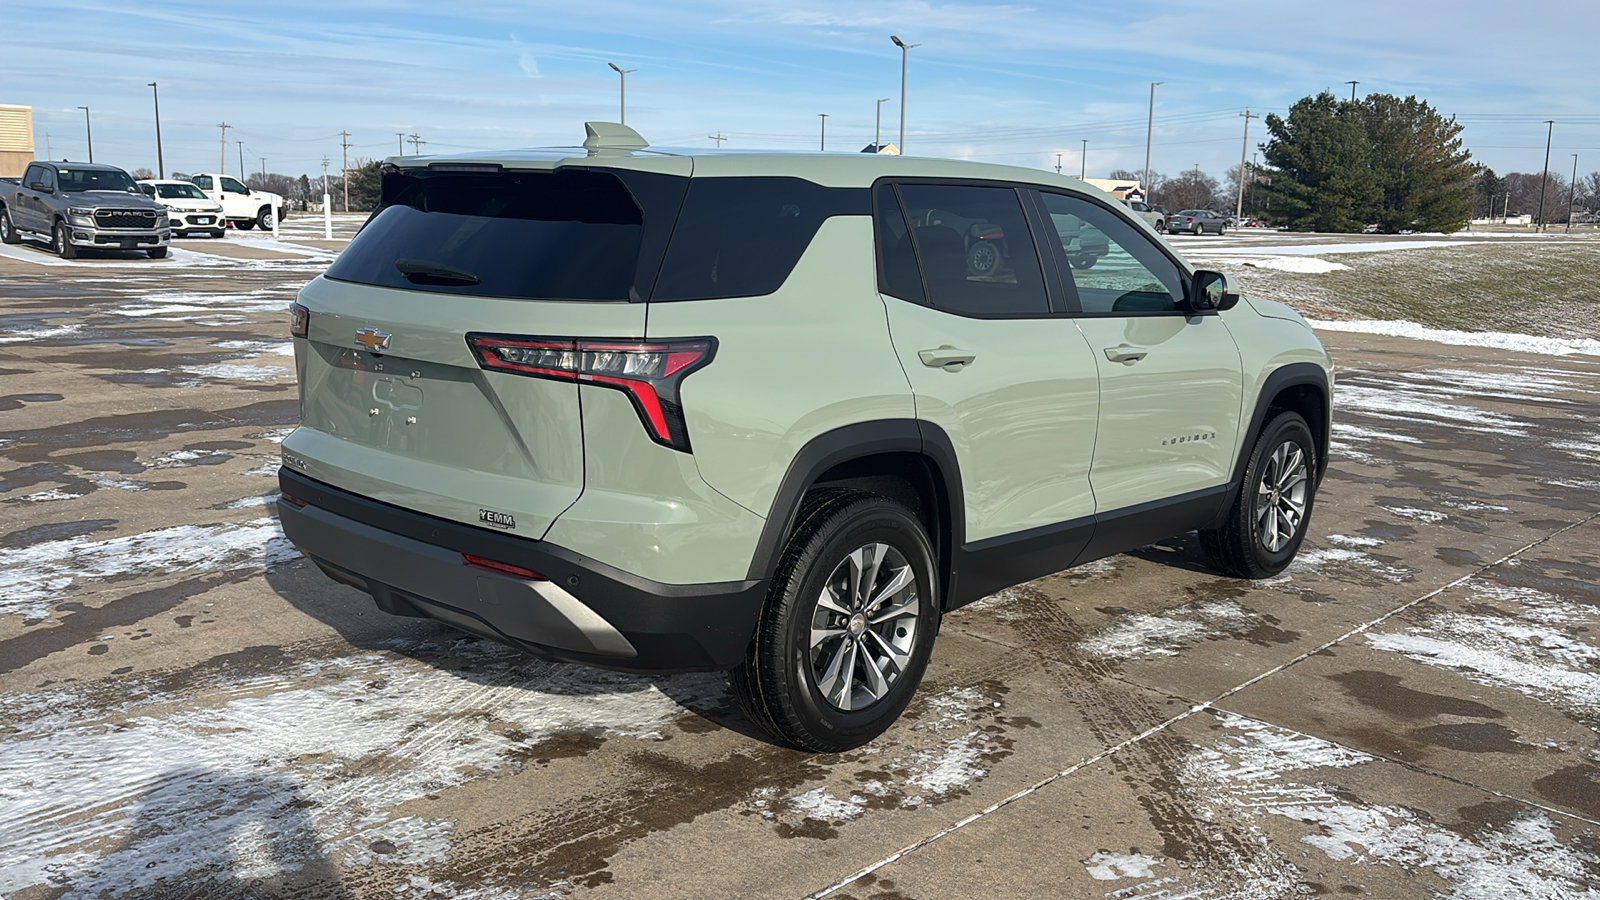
(864, 627)
(1281, 496)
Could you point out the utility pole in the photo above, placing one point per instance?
(623, 73)
(719, 137)
(1149, 130)
(877, 128)
(88, 131)
(48, 153)
(416, 143)
(161, 166)
(1352, 90)
(905, 53)
(1572, 192)
(824, 144)
(241, 161)
(344, 166)
(1083, 168)
(400, 140)
(1544, 175)
(222, 155)
(263, 169)
(1248, 115)
(1058, 164)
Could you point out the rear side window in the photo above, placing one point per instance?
(565, 235)
(897, 275)
(741, 237)
(976, 249)
(203, 182)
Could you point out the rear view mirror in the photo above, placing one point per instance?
(1212, 291)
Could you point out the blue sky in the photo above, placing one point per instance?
(1014, 83)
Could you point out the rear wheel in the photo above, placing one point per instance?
(61, 242)
(1199, 227)
(847, 628)
(244, 224)
(8, 231)
(1268, 521)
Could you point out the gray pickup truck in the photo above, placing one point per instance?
(81, 206)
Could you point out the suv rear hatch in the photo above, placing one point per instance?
(395, 404)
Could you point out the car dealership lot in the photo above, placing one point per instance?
(191, 710)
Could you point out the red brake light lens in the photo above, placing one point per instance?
(299, 320)
(478, 562)
(649, 372)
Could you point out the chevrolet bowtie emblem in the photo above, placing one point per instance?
(373, 339)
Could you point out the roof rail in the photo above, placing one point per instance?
(612, 136)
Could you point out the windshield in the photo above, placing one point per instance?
(176, 191)
(73, 180)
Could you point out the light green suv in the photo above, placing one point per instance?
(775, 413)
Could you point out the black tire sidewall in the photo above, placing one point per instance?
(861, 522)
(1286, 426)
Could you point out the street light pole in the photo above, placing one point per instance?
(241, 161)
(1572, 192)
(623, 73)
(1149, 131)
(824, 144)
(877, 128)
(1543, 176)
(400, 141)
(905, 53)
(161, 166)
(1238, 213)
(1083, 167)
(88, 131)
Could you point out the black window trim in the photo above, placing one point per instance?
(1055, 302)
(1064, 269)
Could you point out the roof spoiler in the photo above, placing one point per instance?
(611, 136)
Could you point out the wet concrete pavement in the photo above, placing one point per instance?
(191, 710)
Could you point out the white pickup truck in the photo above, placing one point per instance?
(241, 206)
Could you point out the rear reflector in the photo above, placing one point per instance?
(649, 372)
(478, 562)
(294, 501)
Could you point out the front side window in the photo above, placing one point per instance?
(1115, 268)
(234, 187)
(975, 248)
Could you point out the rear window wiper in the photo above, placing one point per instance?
(420, 271)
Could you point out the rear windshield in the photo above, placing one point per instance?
(567, 235)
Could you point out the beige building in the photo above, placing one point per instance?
(1119, 188)
(16, 140)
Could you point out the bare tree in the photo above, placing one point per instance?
(1193, 189)
(142, 172)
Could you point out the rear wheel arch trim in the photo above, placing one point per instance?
(862, 440)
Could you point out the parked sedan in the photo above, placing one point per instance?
(1197, 221)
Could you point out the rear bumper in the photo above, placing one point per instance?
(585, 612)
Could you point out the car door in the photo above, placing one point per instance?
(1171, 382)
(235, 198)
(1008, 379)
(29, 200)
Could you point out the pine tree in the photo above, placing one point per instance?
(1319, 160)
(1488, 190)
(1424, 177)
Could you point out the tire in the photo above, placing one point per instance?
(793, 686)
(157, 252)
(1222, 230)
(1082, 262)
(1199, 228)
(219, 234)
(1279, 489)
(244, 224)
(264, 218)
(984, 258)
(8, 231)
(60, 243)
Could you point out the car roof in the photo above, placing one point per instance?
(165, 181)
(81, 166)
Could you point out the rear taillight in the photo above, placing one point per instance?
(649, 372)
(299, 320)
(491, 565)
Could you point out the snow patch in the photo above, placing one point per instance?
(1501, 340)
(21, 335)
(1308, 265)
(1107, 866)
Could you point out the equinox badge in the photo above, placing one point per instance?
(373, 339)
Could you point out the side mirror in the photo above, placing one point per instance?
(1212, 291)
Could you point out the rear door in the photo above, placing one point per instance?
(1170, 382)
(396, 406)
(1010, 381)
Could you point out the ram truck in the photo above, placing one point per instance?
(81, 206)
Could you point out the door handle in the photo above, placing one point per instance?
(1127, 354)
(949, 358)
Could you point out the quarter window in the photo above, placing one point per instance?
(898, 275)
(1115, 268)
(976, 250)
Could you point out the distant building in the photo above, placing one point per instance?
(886, 149)
(1118, 188)
(16, 140)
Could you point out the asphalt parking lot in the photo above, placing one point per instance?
(190, 710)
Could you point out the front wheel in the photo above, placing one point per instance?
(1268, 520)
(847, 627)
(61, 242)
(219, 234)
(157, 252)
(8, 231)
(265, 219)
